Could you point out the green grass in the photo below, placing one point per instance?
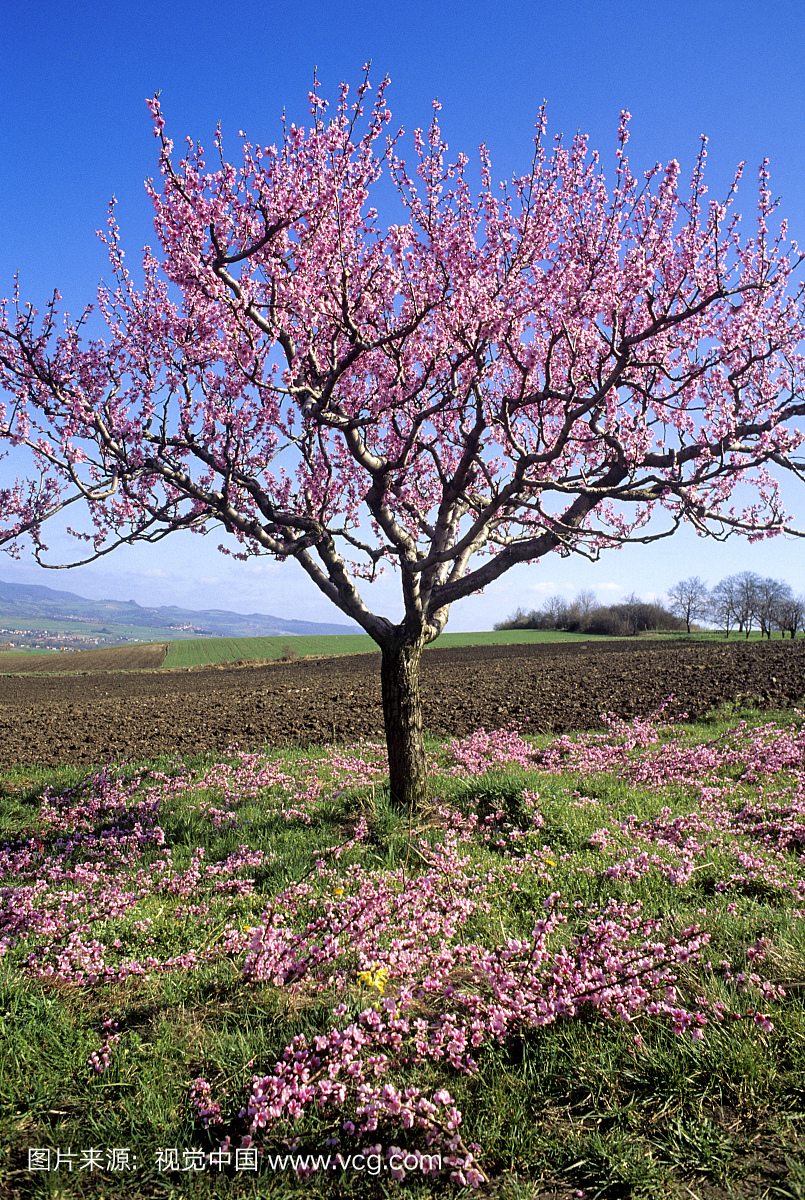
(195, 652)
(509, 637)
(572, 1107)
(208, 651)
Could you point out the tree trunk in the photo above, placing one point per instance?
(402, 710)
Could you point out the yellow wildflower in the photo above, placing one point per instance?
(374, 977)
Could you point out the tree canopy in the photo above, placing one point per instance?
(550, 365)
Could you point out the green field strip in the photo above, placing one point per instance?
(195, 652)
(508, 637)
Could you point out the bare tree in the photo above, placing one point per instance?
(639, 616)
(585, 603)
(690, 600)
(556, 610)
(746, 602)
(724, 604)
(790, 615)
(769, 595)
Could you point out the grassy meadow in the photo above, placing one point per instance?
(207, 651)
(579, 973)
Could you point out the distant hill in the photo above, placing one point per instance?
(33, 606)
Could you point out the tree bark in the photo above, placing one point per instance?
(402, 710)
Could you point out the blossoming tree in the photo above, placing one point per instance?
(499, 375)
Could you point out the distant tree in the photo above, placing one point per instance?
(632, 617)
(585, 602)
(556, 613)
(497, 375)
(690, 600)
(745, 593)
(769, 595)
(556, 610)
(790, 615)
(640, 616)
(632, 614)
(519, 619)
(579, 611)
(607, 621)
(724, 604)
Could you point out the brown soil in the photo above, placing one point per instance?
(544, 688)
(106, 658)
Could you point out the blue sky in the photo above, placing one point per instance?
(76, 131)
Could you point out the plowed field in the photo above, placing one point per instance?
(542, 688)
(105, 658)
